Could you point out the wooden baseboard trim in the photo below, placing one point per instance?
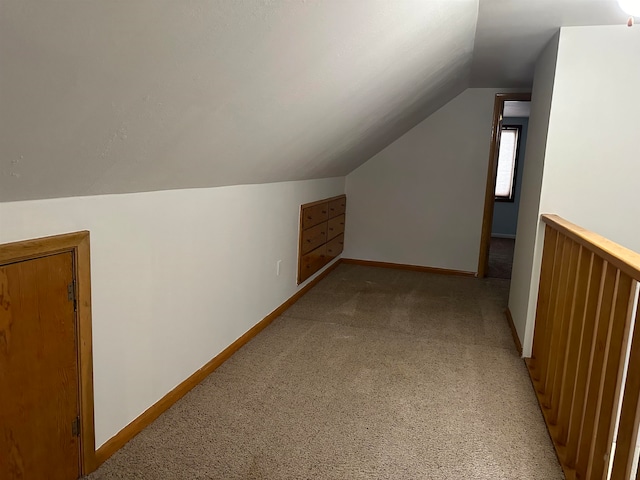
(514, 332)
(116, 442)
(402, 266)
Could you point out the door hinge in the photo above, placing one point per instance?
(75, 427)
(71, 294)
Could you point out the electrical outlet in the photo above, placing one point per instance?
(278, 267)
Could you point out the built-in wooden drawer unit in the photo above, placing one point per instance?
(335, 226)
(314, 214)
(334, 247)
(337, 206)
(321, 234)
(314, 237)
(313, 261)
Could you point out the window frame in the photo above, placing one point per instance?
(511, 199)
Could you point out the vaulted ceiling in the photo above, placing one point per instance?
(111, 97)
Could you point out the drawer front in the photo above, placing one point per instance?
(312, 262)
(314, 215)
(337, 207)
(334, 247)
(335, 226)
(313, 237)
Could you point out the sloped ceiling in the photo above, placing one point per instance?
(111, 97)
(511, 34)
(100, 96)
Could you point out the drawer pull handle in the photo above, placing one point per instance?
(309, 218)
(324, 211)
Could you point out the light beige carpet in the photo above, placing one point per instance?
(374, 374)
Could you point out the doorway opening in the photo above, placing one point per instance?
(46, 358)
(504, 182)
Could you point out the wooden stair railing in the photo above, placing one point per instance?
(587, 302)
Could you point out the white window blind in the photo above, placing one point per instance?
(507, 163)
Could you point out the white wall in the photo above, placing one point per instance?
(420, 200)
(593, 148)
(177, 276)
(525, 266)
(591, 166)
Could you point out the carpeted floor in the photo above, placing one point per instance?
(501, 257)
(374, 374)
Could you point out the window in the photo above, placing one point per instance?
(507, 163)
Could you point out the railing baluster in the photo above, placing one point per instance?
(544, 294)
(562, 251)
(596, 287)
(596, 361)
(610, 381)
(574, 343)
(586, 300)
(629, 414)
(564, 322)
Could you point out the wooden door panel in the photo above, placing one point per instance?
(38, 370)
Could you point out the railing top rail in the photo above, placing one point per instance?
(622, 258)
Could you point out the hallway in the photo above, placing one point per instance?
(375, 373)
(501, 257)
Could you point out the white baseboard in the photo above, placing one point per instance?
(503, 235)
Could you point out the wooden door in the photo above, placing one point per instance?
(38, 370)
